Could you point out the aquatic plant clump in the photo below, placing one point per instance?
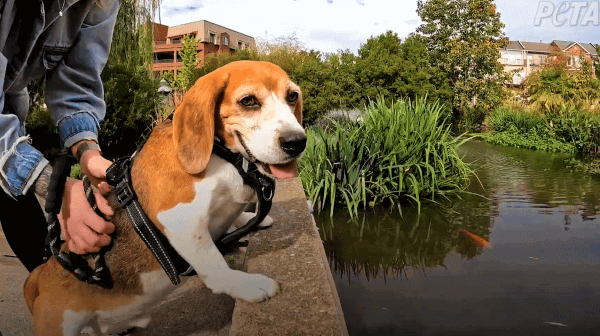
(402, 151)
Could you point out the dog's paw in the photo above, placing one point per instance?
(268, 221)
(256, 288)
(244, 286)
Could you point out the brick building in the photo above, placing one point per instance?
(526, 57)
(212, 38)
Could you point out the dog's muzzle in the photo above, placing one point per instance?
(293, 144)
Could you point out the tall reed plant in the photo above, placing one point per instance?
(401, 151)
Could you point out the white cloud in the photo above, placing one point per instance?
(325, 25)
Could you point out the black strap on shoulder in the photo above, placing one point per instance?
(118, 176)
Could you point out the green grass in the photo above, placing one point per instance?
(399, 152)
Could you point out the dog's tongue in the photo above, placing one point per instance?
(284, 171)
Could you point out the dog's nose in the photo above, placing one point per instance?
(293, 144)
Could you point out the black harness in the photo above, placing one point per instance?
(119, 177)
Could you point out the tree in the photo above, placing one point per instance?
(130, 86)
(465, 38)
(187, 74)
(397, 70)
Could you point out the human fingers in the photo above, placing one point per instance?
(89, 241)
(99, 225)
(96, 165)
(104, 188)
(65, 232)
(77, 245)
(103, 204)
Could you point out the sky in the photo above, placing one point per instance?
(332, 25)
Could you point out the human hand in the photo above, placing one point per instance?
(94, 166)
(84, 230)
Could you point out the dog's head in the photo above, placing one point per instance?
(253, 107)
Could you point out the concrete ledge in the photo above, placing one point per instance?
(291, 252)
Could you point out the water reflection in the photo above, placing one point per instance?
(434, 273)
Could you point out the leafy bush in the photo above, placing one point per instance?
(504, 119)
(40, 126)
(132, 98)
(554, 85)
(399, 152)
(533, 138)
(562, 128)
(576, 127)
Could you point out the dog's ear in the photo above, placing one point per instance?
(194, 121)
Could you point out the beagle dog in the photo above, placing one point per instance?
(191, 195)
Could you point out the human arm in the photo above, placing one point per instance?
(75, 98)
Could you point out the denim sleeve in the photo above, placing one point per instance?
(20, 163)
(74, 91)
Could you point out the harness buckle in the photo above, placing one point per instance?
(124, 192)
(118, 177)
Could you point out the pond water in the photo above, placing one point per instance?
(523, 260)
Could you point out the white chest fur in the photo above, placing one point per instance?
(220, 198)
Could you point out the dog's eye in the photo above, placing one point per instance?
(249, 101)
(292, 97)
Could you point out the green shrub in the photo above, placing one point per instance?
(563, 128)
(398, 153)
(40, 126)
(132, 99)
(503, 118)
(75, 171)
(532, 139)
(554, 86)
(576, 127)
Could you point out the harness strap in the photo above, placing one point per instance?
(118, 176)
(262, 185)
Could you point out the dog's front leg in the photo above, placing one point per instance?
(200, 251)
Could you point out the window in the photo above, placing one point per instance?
(176, 40)
(519, 59)
(530, 59)
(213, 38)
(225, 41)
(240, 45)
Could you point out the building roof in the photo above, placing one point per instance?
(536, 46)
(176, 30)
(514, 45)
(562, 44)
(588, 47)
(528, 46)
(547, 47)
